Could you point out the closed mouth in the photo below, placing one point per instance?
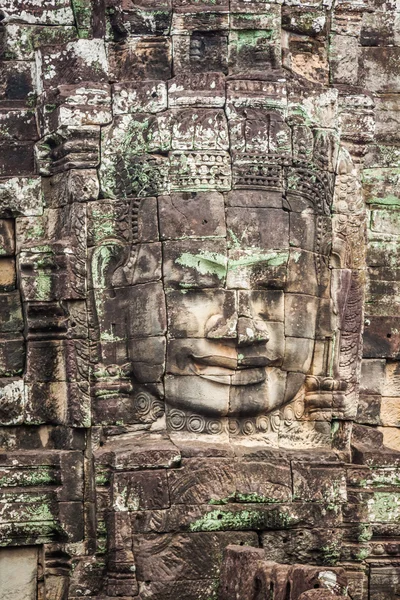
(229, 362)
(242, 377)
(229, 371)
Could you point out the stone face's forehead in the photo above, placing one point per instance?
(207, 149)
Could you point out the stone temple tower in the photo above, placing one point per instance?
(199, 300)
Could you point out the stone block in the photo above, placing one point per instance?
(56, 360)
(8, 275)
(136, 311)
(390, 412)
(253, 49)
(19, 573)
(12, 401)
(201, 481)
(319, 483)
(254, 199)
(191, 392)
(378, 27)
(197, 89)
(258, 227)
(387, 118)
(81, 60)
(148, 97)
(11, 313)
(141, 57)
(379, 68)
(7, 241)
(48, 275)
(22, 39)
(12, 355)
(302, 266)
(142, 18)
(391, 438)
(372, 376)
(391, 385)
(48, 402)
(379, 187)
(134, 221)
(132, 161)
(238, 572)
(190, 214)
(17, 125)
(298, 354)
(16, 157)
(139, 453)
(201, 52)
(184, 556)
(70, 515)
(17, 84)
(384, 582)
(344, 53)
(304, 546)
(74, 185)
(199, 129)
(357, 117)
(132, 404)
(20, 195)
(200, 171)
(381, 339)
(368, 409)
(302, 231)
(257, 482)
(300, 315)
(147, 357)
(385, 221)
(70, 147)
(74, 106)
(265, 304)
(47, 13)
(192, 20)
(140, 491)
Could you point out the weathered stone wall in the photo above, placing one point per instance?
(199, 292)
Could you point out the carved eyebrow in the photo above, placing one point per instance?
(205, 263)
(217, 264)
(273, 259)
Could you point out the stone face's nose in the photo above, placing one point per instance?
(246, 330)
(251, 331)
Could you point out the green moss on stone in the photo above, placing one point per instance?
(246, 519)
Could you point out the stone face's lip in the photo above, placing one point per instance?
(215, 360)
(228, 362)
(239, 378)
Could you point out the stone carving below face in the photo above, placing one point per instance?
(220, 295)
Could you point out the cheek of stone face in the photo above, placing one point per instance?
(147, 358)
(298, 354)
(136, 311)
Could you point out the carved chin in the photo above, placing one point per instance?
(245, 393)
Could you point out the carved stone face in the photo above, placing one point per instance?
(217, 291)
(242, 291)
